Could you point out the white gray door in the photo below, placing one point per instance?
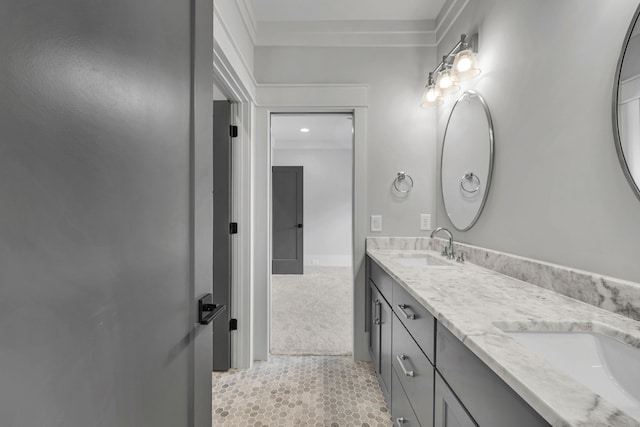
(105, 212)
(287, 219)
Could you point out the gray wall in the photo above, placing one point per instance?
(558, 193)
(400, 135)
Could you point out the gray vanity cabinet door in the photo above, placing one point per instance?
(401, 411)
(386, 316)
(380, 337)
(374, 326)
(449, 412)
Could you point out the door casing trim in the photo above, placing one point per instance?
(317, 98)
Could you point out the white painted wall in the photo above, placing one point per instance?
(400, 135)
(327, 182)
(558, 192)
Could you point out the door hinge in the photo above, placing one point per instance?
(233, 131)
(233, 324)
(233, 228)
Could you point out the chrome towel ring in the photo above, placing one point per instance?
(403, 182)
(472, 178)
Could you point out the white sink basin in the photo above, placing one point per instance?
(420, 260)
(605, 365)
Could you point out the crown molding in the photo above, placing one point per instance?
(408, 33)
(248, 18)
(629, 90)
(347, 33)
(448, 16)
(229, 61)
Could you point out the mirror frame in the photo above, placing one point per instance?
(615, 116)
(491, 157)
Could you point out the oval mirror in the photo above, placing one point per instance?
(626, 106)
(467, 160)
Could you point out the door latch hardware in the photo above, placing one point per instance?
(207, 310)
(233, 228)
(233, 324)
(233, 131)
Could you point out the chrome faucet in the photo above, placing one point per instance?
(448, 250)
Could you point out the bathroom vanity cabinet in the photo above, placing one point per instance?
(380, 338)
(404, 363)
(434, 379)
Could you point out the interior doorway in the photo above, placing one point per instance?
(312, 307)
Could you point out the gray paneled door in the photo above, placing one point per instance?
(287, 219)
(221, 236)
(105, 212)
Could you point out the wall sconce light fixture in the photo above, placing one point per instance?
(458, 65)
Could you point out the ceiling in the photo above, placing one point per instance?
(346, 10)
(326, 131)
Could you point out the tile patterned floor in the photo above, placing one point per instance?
(322, 391)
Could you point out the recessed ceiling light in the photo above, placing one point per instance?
(304, 130)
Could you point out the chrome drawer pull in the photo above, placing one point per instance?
(400, 421)
(402, 308)
(401, 358)
(379, 309)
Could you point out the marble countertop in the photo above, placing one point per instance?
(477, 304)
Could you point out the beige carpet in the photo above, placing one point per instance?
(312, 313)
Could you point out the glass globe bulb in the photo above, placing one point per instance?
(465, 66)
(446, 84)
(431, 97)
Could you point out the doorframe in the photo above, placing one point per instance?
(241, 95)
(317, 98)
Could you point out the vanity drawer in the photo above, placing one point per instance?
(414, 371)
(489, 400)
(417, 319)
(381, 279)
(401, 411)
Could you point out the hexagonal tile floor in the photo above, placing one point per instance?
(322, 391)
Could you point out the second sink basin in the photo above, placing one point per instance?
(605, 365)
(420, 260)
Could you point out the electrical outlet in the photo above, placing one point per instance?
(425, 221)
(376, 222)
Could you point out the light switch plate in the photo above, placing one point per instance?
(376, 222)
(425, 221)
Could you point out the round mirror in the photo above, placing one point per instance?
(467, 160)
(626, 106)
